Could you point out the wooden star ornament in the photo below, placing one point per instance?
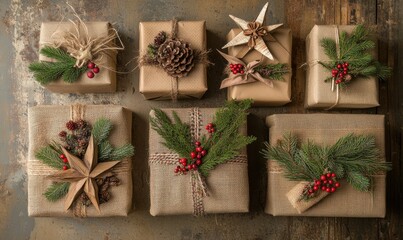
(253, 33)
(82, 174)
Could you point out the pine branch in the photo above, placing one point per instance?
(56, 191)
(122, 152)
(273, 71)
(45, 72)
(104, 151)
(49, 156)
(101, 129)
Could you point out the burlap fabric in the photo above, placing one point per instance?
(45, 122)
(105, 80)
(326, 129)
(262, 94)
(227, 185)
(155, 83)
(361, 93)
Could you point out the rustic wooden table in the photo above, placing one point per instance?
(19, 34)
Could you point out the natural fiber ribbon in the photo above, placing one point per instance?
(254, 30)
(197, 182)
(249, 75)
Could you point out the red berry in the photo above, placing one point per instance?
(324, 181)
(315, 188)
(184, 163)
(231, 65)
(310, 191)
(96, 70)
(332, 189)
(212, 130)
(328, 189)
(333, 174)
(210, 125)
(176, 170)
(346, 64)
(62, 156)
(234, 72)
(209, 131)
(338, 66)
(183, 169)
(193, 155)
(242, 71)
(345, 72)
(203, 153)
(239, 65)
(90, 74)
(328, 175)
(337, 184)
(323, 188)
(190, 167)
(194, 166)
(182, 160)
(197, 143)
(199, 149)
(90, 65)
(64, 167)
(330, 182)
(199, 156)
(65, 160)
(323, 177)
(198, 162)
(317, 182)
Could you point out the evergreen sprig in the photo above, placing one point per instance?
(49, 156)
(354, 49)
(45, 72)
(273, 71)
(56, 191)
(353, 157)
(223, 145)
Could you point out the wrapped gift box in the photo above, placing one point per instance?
(361, 93)
(155, 83)
(45, 122)
(227, 185)
(262, 94)
(104, 81)
(326, 129)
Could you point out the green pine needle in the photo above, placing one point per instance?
(49, 156)
(101, 129)
(56, 191)
(104, 151)
(122, 152)
(273, 71)
(354, 157)
(45, 72)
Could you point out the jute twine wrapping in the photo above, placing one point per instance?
(155, 83)
(361, 93)
(325, 129)
(261, 93)
(45, 122)
(227, 187)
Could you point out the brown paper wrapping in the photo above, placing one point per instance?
(227, 185)
(104, 81)
(155, 83)
(326, 129)
(262, 94)
(45, 122)
(361, 93)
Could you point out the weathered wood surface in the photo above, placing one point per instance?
(19, 33)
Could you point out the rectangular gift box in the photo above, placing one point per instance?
(45, 122)
(155, 83)
(227, 185)
(326, 129)
(361, 93)
(105, 80)
(262, 94)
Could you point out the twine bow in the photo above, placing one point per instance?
(254, 31)
(249, 75)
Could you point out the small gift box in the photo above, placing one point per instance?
(79, 161)
(326, 143)
(182, 183)
(166, 74)
(266, 59)
(341, 79)
(77, 57)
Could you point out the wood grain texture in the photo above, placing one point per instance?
(19, 35)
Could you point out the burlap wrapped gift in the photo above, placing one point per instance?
(227, 185)
(326, 129)
(262, 94)
(104, 81)
(45, 122)
(155, 83)
(361, 93)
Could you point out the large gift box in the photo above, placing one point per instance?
(227, 185)
(280, 45)
(104, 80)
(45, 125)
(361, 93)
(326, 129)
(155, 83)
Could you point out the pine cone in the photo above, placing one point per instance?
(160, 39)
(176, 58)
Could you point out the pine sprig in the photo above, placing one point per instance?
(101, 129)
(353, 157)
(122, 152)
(273, 71)
(45, 72)
(56, 191)
(49, 156)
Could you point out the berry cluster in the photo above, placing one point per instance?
(341, 73)
(194, 161)
(93, 71)
(210, 128)
(76, 140)
(64, 159)
(237, 68)
(327, 183)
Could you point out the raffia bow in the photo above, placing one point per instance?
(249, 75)
(254, 31)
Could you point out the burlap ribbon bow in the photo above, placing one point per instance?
(254, 30)
(250, 74)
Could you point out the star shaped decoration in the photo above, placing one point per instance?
(82, 174)
(253, 33)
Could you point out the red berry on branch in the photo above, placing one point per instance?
(184, 164)
(346, 64)
(199, 149)
(183, 169)
(231, 65)
(96, 70)
(212, 130)
(328, 175)
(62, 156)
(333, 174)
(310, 191)
(90, 65)
(324, 181)
(315, 188)
(242, 71)
(330, 182)
(190, 167)
(337, 184)
(328, 189)
(203, 153)
(323, 177)
(197, 143)
(317, 182)
(323, 188)
(198, 162)
(176, 170)
(234, 72)
(338, 66)
(332, 189)
(65, 168)
(193, 155)
(65, 160)
(90, 74)
(194, 166)
(199, 156)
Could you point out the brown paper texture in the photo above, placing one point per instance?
(262, 94)
(104, 81)
(227, 185)
(155, 83)
(326, 129)
(361, 93)
(45, 122)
